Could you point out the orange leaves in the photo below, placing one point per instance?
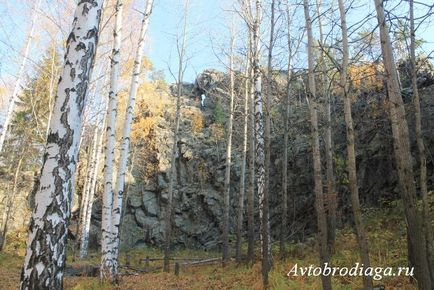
(142, 127)
(366, 76)
(197, 123)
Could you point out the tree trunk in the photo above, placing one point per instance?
(227, 187)
(427, 217)
(107, 271)
(126, 132)
(251, 181)
(87, 209)
(260, 146)
(44, 262)
(181, 47)
(331, 199)
(84, 200)
(351, 155)
(10, 204)
(415, 230)
(240, 213)
(284, 225)
(21, 75)
(316, 157)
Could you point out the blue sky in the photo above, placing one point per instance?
(205, 20)
(208, 30)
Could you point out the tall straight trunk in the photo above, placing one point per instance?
(316, 156)
(251, 181)
(87, 209)
(126, 132)
(284, 225)
(87, 183)
(267, 139)
(181, 47)
(228, 163)
(331, 200)
(44, 263)
(107, 271)
(427, 217)
(82, 195)
(240, 213)
(260, 146)
(10, 204)
(415, 230)
(351, 155)
(21, 74)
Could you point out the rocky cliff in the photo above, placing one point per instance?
(200, 165)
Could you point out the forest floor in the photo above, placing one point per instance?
(387, 239)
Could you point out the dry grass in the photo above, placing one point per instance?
(387, 241)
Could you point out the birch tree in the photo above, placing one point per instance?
(415, 230)
(240, 213)
(90, 192)
(316, 156)
(266, 232)
(181, 45)
(427, 218)
(228, 163)
(126, 132)
(246, 13)
(107, 271)
(21, 74)
(44, 262)
(260, 145)
(351, 155)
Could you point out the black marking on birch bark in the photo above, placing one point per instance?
(71, 38)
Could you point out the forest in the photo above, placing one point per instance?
(219, 144)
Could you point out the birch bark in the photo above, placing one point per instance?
(228, 164)
(240, 213)
(89, 193)
(126, 132)
(44, 262)
(107, 271)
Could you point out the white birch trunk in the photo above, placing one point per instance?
(227, 188)
(260, 144)
(126, 132)
(84, 195)
(240, 213)
(84, 238)
(13, 98)
(107, 240)
(44, 262)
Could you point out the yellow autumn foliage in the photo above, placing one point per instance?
(197, 122)
(366, 76)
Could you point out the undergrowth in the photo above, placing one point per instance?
(387, 241)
